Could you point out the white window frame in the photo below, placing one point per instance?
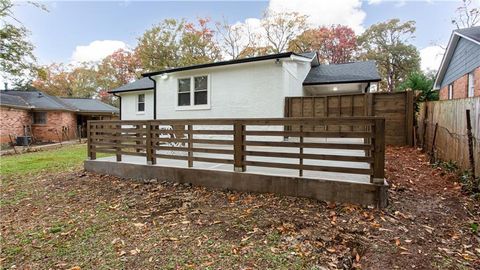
(471, 85)
(192, 105)
(137, 101)
(450, 91)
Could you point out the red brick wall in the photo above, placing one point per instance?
(444, 93)
(11, 122)
(460, 89)
(52, 130)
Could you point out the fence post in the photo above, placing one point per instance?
(90, 148)
(409, 108)
(378, 176)
(117, 133)
(148, 143)
(190, 146)
(238, 147)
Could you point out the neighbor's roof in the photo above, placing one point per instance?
(343, 73)
(30, 98)
(141, 84)
(39, 100)
(472, 34)
(224, 63)
(12, 101)
(90, 105)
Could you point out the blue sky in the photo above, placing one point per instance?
(58, 33)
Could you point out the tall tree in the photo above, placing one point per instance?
(17, 61)
(281, 28)
(235, 39)
(335, 44)
(466, 15)
(197, 44)
(158, 48)
(388, 44)
(67, 81)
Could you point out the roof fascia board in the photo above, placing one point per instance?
(342, 82)
(129, 90)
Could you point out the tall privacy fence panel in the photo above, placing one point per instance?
(396, 108)
(442, 130)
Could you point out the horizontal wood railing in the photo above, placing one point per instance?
(249, 142)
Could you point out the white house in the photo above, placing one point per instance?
(242, 88)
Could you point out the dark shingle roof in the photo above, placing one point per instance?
(343, 73)
(141, 84)
(14, 101)
(89, 105)
(472, 32)
(37, 100)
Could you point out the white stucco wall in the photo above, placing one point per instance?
(129, 105)
(249, 90)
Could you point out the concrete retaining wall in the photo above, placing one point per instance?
(325, 190)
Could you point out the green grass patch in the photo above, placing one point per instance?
(56, 160)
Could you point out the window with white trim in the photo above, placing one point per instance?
(141, 103)
(450, 91)
(193, 91)
(471, 85)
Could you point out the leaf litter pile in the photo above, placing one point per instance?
(78, 220)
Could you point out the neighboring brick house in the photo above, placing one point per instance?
(459, 72)
(47, 118)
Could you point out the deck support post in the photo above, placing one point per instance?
(238, 147)
(90, 148)
(378, 176)
(151, 160)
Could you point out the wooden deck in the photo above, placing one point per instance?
(272, 151)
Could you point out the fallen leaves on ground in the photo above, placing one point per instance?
(86, 221)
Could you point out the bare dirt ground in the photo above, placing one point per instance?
(85, 221)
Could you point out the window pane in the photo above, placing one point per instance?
(39, 117)
(200, 97)
(141, 107)
(184, 85)
(201, 83)
(184, 99)
(141, 98)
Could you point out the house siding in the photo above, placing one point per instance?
(56, 122)
(239, 91)
(465, 59)
(129, 106)
(12, 123)
(460, 86)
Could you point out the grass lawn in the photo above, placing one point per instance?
(62, 159)
(56, 216)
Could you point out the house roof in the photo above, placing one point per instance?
(224, 63)
(12, 101)
(36, 100)
(39, 100)
(140, 84)
(90, 105)
(343, 73)
(472, 34)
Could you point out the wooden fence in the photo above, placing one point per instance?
(451, 142)
(184, 139)
(396, 108)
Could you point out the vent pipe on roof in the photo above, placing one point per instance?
(6, 86)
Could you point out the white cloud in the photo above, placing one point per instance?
(431, 57)
(96, 50)
(345, 12)
(374, 2)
